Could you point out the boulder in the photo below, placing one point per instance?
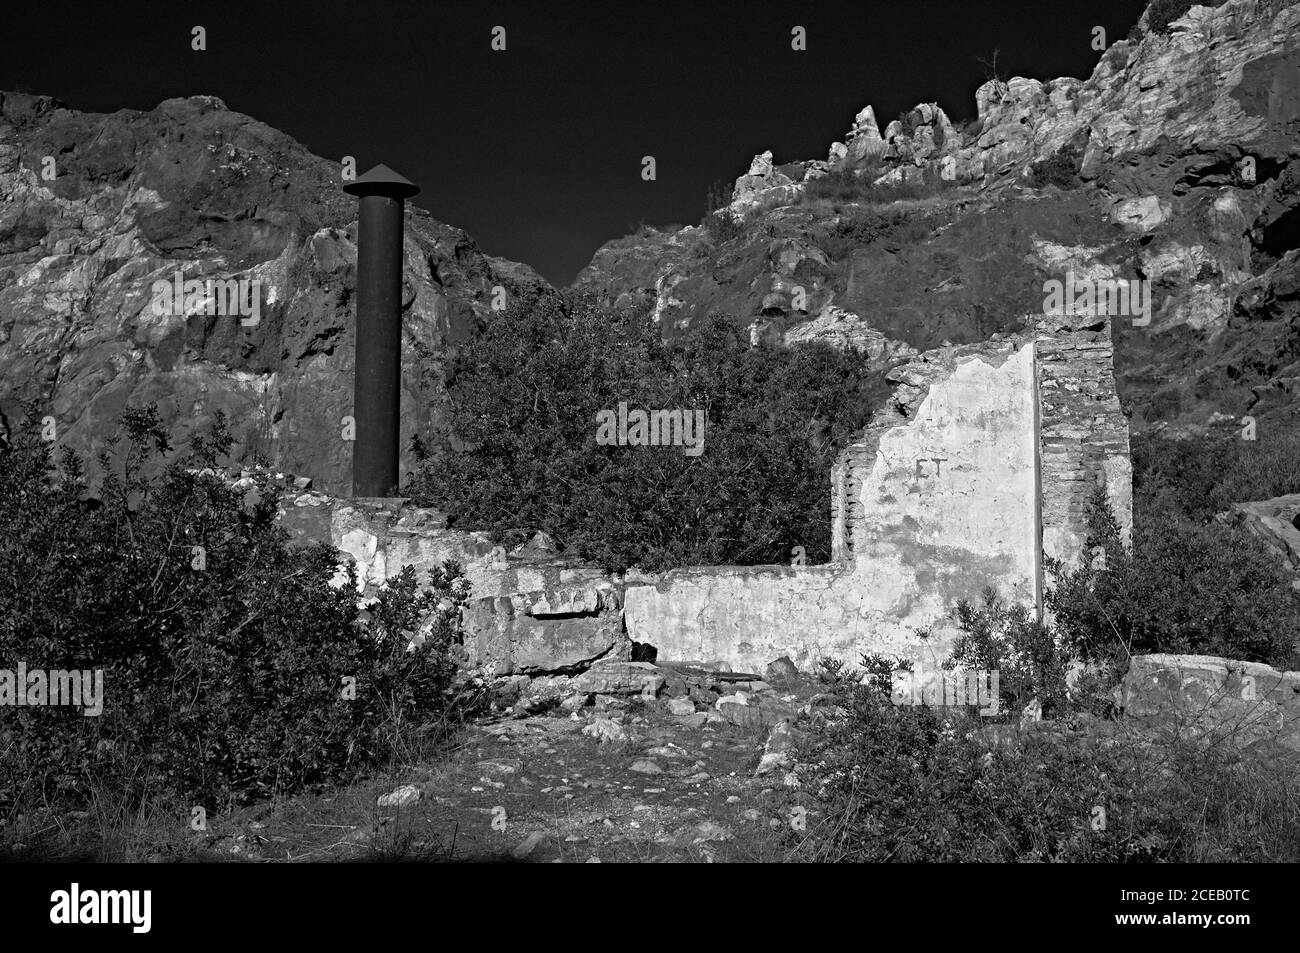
(406, 795)
(754, 711)
(780, 670)
(681, 707)
(605, 731)
(551, 630)
(777, 751)
(607, 677)
(1205, 696)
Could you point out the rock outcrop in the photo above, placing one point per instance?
(1276, 523)
(95, 208)
(1176, 162)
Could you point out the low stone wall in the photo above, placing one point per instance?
(743, 617)
(531, 610)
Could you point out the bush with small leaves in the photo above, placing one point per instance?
(527, 391)
(1060, 169)
(1180, 588)
(232, 668)
(997, 636)
(903, 783)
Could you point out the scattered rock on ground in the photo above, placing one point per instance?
(528, 845)
(776, 753)
(620, 678)
(753, 711)
(681, 706)
(401, 797)
(605, 730)
(780, 670)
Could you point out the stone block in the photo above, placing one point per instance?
(1218, 698)
(613, 677)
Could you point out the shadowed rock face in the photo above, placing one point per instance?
(1187, 157)
(192, 187)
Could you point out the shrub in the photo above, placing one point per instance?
(1180, 588)
(1008, 639)
(1198, 478)
(720, 224)
(526, 393)
(842, 186)
(222, 667)
(1061, 169)
(902, 783)
(857, 231)
(839, 185)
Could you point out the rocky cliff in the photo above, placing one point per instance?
(1177, 162)
(95, 208)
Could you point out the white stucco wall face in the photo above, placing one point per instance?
(737, 615)
(949, 505)
(947, 508)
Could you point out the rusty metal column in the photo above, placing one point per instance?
(377, 381)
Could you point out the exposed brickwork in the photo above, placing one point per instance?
(1084, 434)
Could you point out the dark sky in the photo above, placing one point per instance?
(537, 151)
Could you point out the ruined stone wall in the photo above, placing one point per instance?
(933, 503)
(746, 616)
(531, 609)
(1084, 433)
(980, 462)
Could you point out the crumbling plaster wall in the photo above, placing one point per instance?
(980, 464)
(934, 502)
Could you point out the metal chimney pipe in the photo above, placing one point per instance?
(377, 381)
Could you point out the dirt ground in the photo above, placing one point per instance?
(541, 790)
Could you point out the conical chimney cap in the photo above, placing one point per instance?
(381, 180)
